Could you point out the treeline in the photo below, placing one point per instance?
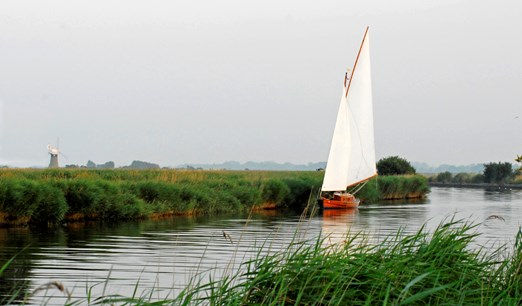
(252, 165)
(494, 173)
(136, 164)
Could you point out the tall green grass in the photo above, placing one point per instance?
(54, 195)
(50, 196)
(394, 187)
(440, 267)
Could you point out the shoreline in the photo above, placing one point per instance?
(58, 196)
(476, 185)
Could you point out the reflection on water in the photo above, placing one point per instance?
(335, 224)
(165, 254)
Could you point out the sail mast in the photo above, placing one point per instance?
(356, 61)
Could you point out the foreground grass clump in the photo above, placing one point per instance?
(442, 268)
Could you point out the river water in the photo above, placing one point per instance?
(165, 254)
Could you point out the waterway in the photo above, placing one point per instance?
(164, 255)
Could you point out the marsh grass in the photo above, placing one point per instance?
(52, 196)
(438, 268)
(443, 266)
(395, 187)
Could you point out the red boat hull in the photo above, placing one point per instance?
(343, 201)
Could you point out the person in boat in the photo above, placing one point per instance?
(328, 195)
(346, 77)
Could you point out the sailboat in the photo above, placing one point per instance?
(351, 161)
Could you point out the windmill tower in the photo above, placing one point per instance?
(54, 156)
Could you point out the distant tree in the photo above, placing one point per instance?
(479, 178)
(461, 178)
(444, 177)
(498, 172)
(91, 164)
(107, 165)
(394, 165)
(458, 178)
(138, 164)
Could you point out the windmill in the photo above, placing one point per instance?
(54, 151)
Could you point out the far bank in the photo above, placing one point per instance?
(49, 197)
(476, 185)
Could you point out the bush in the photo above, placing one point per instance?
(498, 172)
(479, 178)
(461, 178)
(394, 165)
(444, 177)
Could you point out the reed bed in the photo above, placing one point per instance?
(394, 187)
(441, 267)
(52, 196)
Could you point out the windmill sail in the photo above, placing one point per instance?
(352, 153)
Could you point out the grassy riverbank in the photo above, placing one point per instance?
(52, 196)
(395, 187)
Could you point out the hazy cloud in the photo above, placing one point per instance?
(175, 82)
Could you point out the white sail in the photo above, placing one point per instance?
(352, 153)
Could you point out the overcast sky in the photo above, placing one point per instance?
(206, 81)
